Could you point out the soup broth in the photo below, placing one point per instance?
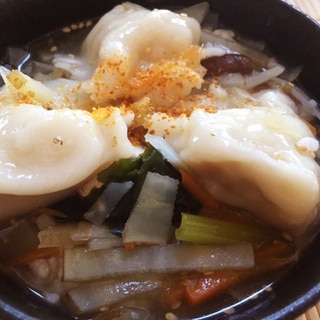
(179, 214)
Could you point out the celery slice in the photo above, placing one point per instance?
(204, 230)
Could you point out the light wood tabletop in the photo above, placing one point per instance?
(312, 8)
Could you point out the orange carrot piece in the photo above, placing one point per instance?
(211, 207)
(268, 258)
(274, 256)
(39, 253)
(277, 249)
(198, 191)
(201, 290)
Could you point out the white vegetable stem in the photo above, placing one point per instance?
(150, 219)
(166, 150)
(93, 296)
(82, 264)
(75, 234)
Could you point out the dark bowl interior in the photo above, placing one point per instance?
(291, 36)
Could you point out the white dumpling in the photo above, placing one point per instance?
(112, 21)
(260, 158)
(140, 34)
(129, 39)
(45, 151)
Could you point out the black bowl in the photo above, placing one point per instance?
(290, 35)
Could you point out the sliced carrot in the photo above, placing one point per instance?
(129, 245)
(274, 256)
(211, 207)
(269, 258)
(39, 253)
(277, 249)
(204, 197)
(208, 286)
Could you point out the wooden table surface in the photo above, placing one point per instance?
(312, 8)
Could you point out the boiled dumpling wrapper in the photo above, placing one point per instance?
(260, 159)
(43, 151)
(141, 35)
(130, 39)
(45, 154)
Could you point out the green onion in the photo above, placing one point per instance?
(204, 230)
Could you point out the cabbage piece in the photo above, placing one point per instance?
(134, 170)
(251, 158)
(150, 219)
(49, 93)
(21, 88)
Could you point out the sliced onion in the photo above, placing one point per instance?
(291, 74)
(81, 264)
(77, 67)
(251, 81)
(197, 11)
(259, 57)
(3, 74)
(309, 107)
(165, 149)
